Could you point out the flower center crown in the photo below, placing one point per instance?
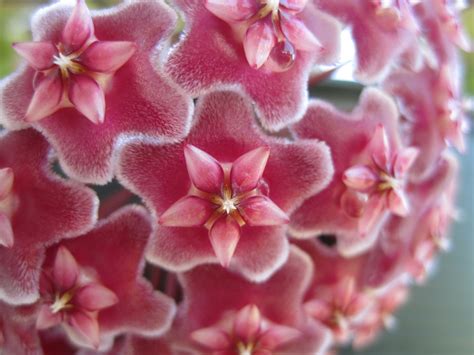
(223, 198)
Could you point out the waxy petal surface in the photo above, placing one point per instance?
(158, 173)
(349, 136)
(46, 98)
(204, 171)
(38, 54)
(119, 244)
(65, 270)
(232, 10)
(107, 56)
(189, 211)
(138, 98)
(209, 56)
(224, 236)
(261, 211)
(87, 97)
(258, 43)
(79, 28)
(248, 169)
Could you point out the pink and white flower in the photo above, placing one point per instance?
(268, 178)
(103, 67)
(241, 43)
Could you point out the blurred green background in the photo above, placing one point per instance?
(439, 319)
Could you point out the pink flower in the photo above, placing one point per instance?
(217, 317)
(112, 80)
(273, 32)
(99, 293)
(431, 102)
(384, 33)
(370, 172)
(380, 315)
(70, 72)
(72, 297)
(249, 334)
(223, 198)
(244, 205)
(37, 208)
(442, 27)
(242, 42)
(393, 255)
(382, 179)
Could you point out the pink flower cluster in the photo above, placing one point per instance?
(238, 215)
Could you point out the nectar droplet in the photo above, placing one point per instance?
(282, 57)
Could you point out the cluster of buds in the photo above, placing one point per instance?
(164, 194)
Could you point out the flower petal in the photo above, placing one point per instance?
(40, 55)
(87, 326)
(88, 97)
(258, 43)
(211, 338)
(6, 182)
(261, 211)
(247, 170)
(294, 5)
(190, 211)
(359, 177)
(232, 10)
(46, 98)
(224, 236)
(379, 148)
(404, 160)
(247, 323)
(398, 203)
(79, 28)
(107, 56)
(299, 35)
(6, 232)
(204, 171)
(65, 270)
(277, 335)
(94, 297)
(46, 318)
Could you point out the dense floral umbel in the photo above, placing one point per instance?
(272, 224)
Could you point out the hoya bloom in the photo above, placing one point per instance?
(370, 172)
(337, 296)
(393, 255)
(441, 25)
(72, 297)
(37, 209)
(98, 293)
(91, 79)
(384, 32)
(68, 72)
(217, 317)
(267, 48)
(380, 316)
(223, 194)
(248, 333)
(435, 110)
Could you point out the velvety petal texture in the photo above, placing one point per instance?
(384, 34)
(271, 311)
(225, 129)
(43, 209)
(214, 52)
(347, 208)
(127, 93)
(127, 302)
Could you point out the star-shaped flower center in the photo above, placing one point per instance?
(250, 334)
(379, 184)
(73, 71)
(224, 197)
(273, 31)
(69, 295)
